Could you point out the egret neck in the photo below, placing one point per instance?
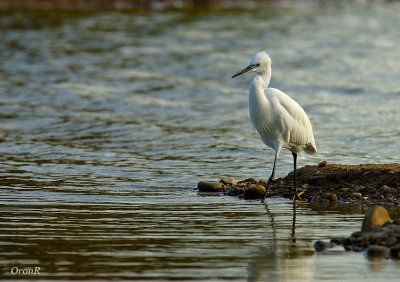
(257, 87)
(258, 103)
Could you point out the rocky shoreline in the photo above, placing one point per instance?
(364, 184)
(379, 236)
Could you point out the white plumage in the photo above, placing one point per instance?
(279, 120)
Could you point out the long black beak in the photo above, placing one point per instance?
(246, 69)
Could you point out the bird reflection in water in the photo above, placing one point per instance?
(284, 257)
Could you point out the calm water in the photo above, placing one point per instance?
(108, 120)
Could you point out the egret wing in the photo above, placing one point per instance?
(294, 122)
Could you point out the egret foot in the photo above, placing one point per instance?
(263, 198)
(297, 195)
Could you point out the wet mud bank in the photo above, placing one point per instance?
(363, 184)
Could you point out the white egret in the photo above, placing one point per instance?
(278, 119)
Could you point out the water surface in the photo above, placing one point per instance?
(108, 120)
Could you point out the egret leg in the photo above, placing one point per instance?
(294, 170)
(296, 193)
(277, 151)
(294, 223)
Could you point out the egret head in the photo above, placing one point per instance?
(259, 63)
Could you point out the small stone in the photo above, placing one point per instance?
(377, 237)
(254, 192)
(395, 229)
(395, 251)
(357, 248)
(356, 235)
(228, 181)
(332, 197)
(388, 189)
(375, 217)
(346, 189)
(320, 246)
(356, 195)
(396, 221)
(315, 199)
(305, 186)
(359, 188)
(366, 243)
(378, 251)
(392, 240)
(251, 180)
(347, 244)
(204, 186)
(235, 191)
(323, 164)
(337, 241)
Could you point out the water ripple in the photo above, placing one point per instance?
(109, 119)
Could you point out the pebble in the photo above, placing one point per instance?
(228, 181)
(235, 191)
(204, 186)
(388, 189)
(254, 192)
(392, 240)
(389, 198)
(395, 251)
(356, 195)
(248, 180)
(315, 199)
(378, 251)
(320, 246)
(359, 188)
(379, 236)
(323, 164)
(332, 197)
(375, 217)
